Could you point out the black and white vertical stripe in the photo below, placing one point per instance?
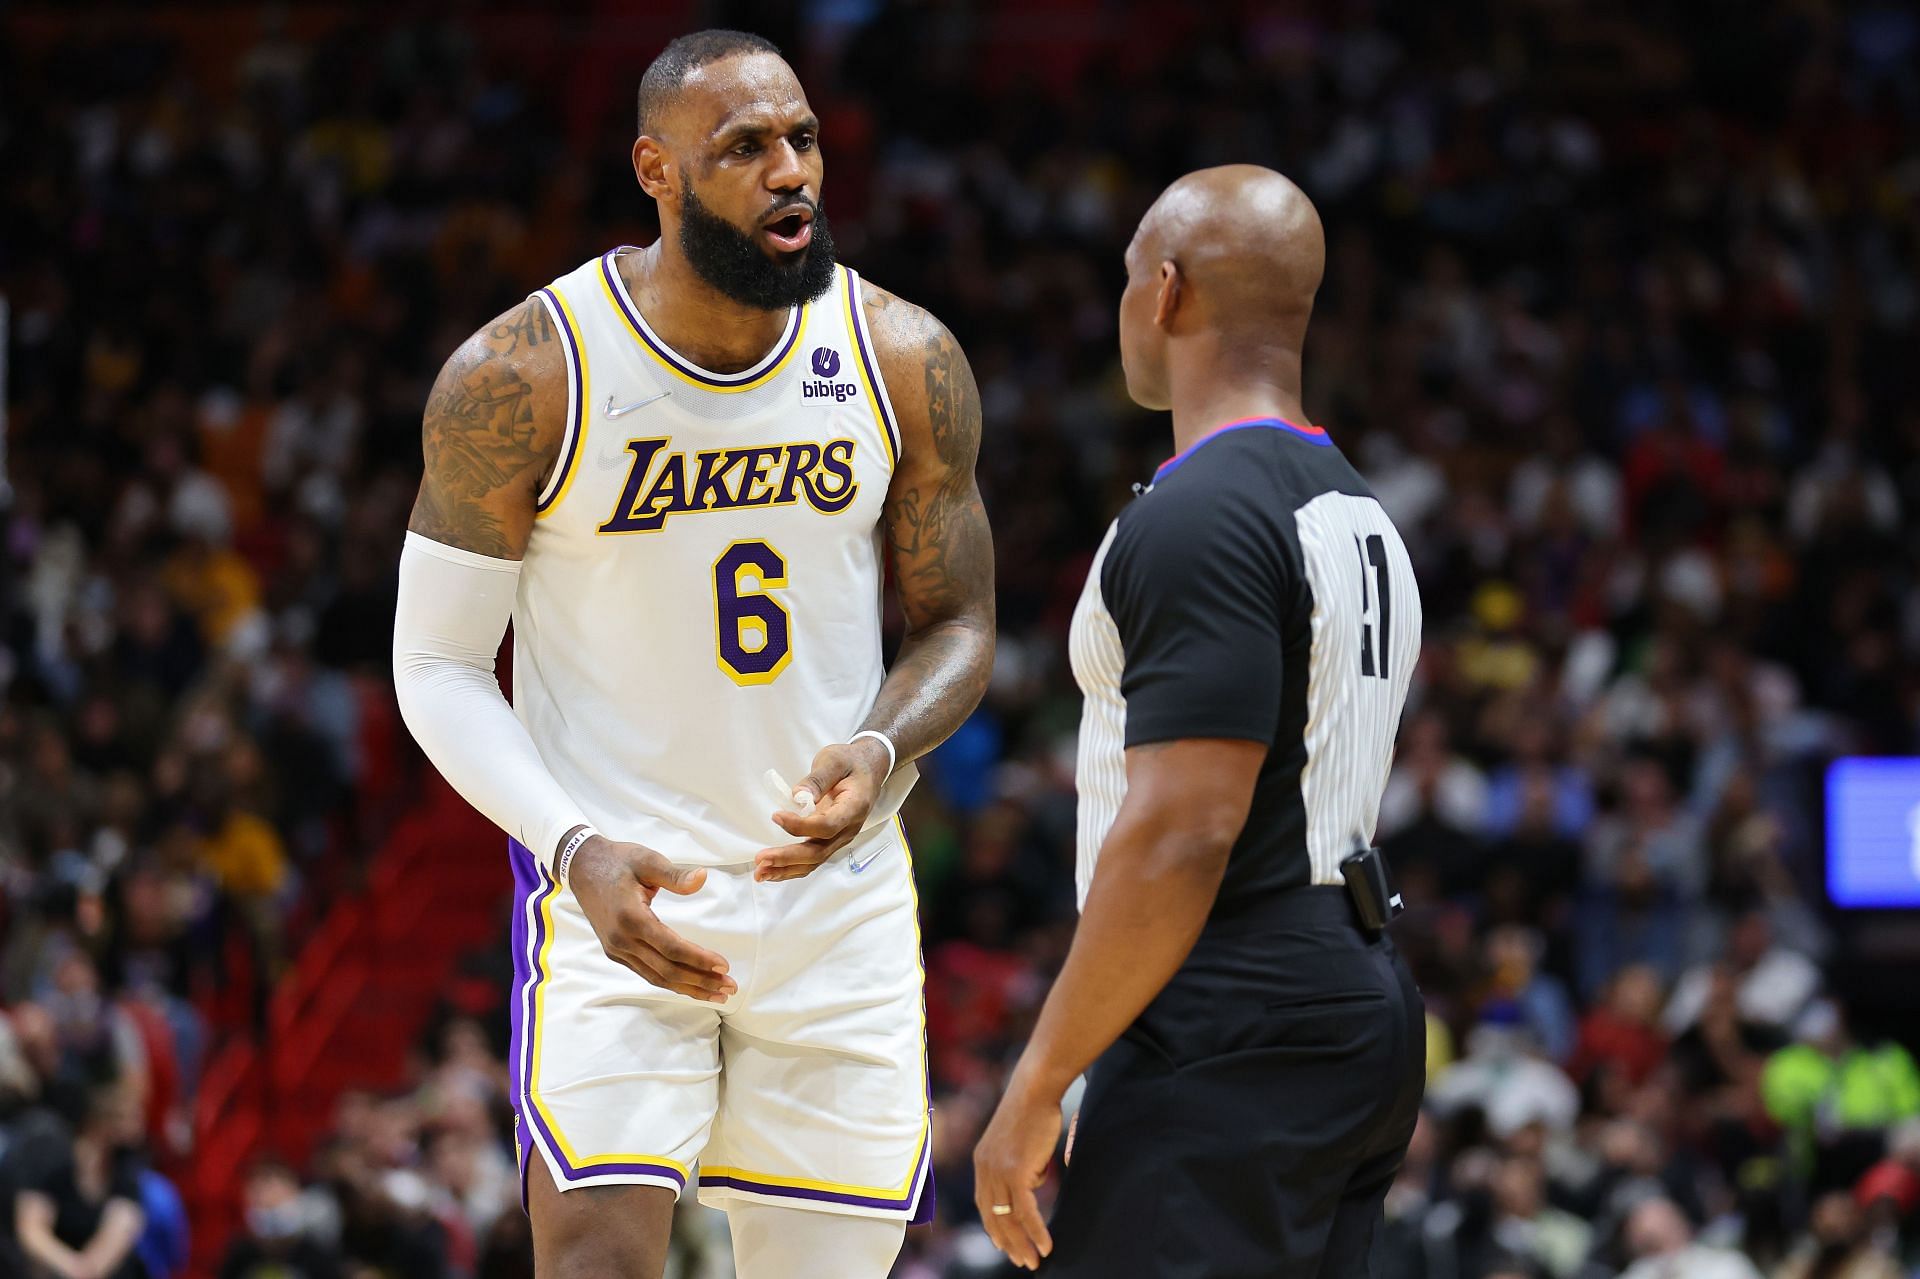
(1353, 706)
(1093, 645)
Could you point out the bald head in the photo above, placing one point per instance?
(1220, 283)
(1248, 245)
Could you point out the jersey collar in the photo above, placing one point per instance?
(1313, 435)
(686, 370)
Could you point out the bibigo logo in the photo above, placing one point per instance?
(826, 364)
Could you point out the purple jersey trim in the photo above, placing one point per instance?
(577, 427)
(726, 382)
(857, 321)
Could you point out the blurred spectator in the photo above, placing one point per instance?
(278, 1241)
(1662, 1244)
(75, 1195)
(1565, 789)
(1623, 1032)
(1502, 1077)
(1432, 783)
(1772, 984)
(1838, 1247)
(1529, 1228)
(1837, 1098)
(1539, 1002)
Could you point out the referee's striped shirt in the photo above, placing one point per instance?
(1256, 590)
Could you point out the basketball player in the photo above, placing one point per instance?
(1244, 644)
(680, 471)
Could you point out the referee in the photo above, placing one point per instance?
(1244, 644)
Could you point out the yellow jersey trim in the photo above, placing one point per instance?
(680, 367)
(866, 366)
(578, 390)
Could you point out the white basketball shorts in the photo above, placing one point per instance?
(806, 1089)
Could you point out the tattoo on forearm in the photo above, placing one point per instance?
(479, 437)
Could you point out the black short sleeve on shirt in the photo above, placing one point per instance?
(43, 1163)
(1197, 589)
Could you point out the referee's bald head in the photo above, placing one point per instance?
(1231, 256)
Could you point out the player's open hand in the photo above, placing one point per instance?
(1009, 1165)
(615, 884)
(839, 793)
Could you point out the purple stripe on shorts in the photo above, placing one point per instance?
(525, 880)
(922, 1179)
(537, 974)
(532, 884)
(923, 1203)
(802, 1192)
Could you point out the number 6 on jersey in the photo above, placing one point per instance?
(754, 631)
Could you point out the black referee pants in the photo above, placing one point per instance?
(1249, 1123)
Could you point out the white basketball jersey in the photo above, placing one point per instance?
(700, 599)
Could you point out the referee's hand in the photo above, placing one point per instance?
(615, 885)
(1009, 1164)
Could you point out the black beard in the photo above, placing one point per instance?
(739, 267)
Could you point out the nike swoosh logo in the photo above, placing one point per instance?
(625, 409)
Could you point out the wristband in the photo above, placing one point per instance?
(567, 850)
(884, 740)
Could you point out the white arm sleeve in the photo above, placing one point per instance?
(454, 608)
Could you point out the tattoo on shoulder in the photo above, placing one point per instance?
(528, 326)
(479, 436)
(953, 402)
(936, 524)
(953, 398)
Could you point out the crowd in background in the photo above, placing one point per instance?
(1618, 321)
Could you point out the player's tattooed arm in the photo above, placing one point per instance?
(942, 553)
(492, 430)
(937, 533)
